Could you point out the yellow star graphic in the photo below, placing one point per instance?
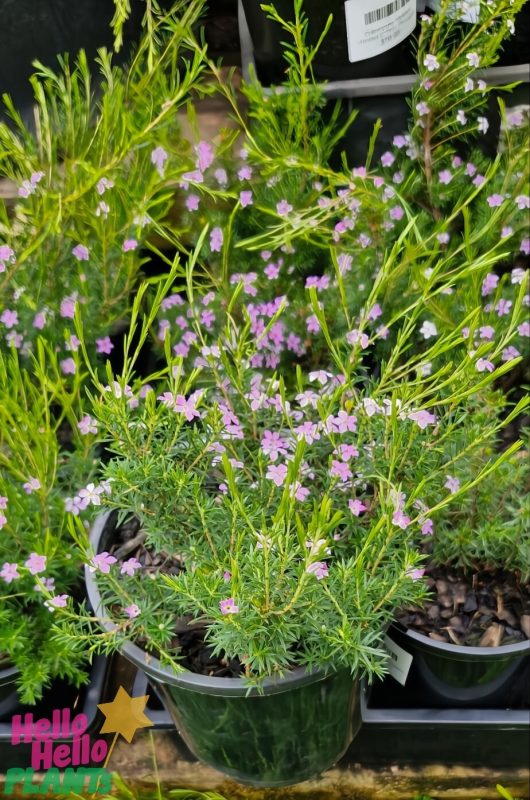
(125, 715)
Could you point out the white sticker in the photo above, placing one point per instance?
(463, 10)
(373, 26)
(399, 661)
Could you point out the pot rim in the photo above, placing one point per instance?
(194, 682)
(463, 651)
(9, 671)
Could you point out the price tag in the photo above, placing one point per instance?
(373, 26)
(399, 661)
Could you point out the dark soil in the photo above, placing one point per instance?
(196, 655)
(485, 609)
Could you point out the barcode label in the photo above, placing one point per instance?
(385, 11)
(374, 26)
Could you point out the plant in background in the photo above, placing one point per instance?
(93, 183)
(364, 239)
(38, 572)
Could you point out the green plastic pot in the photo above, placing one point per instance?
(292, 730)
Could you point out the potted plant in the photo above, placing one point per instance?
(260, 540)
(470, 641)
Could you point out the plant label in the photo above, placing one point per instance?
(373, 26)
(399, 662)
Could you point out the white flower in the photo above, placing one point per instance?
(428, 330)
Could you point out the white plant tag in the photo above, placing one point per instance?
(399, 662)
(374, 26)
(464, 10)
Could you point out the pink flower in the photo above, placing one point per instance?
(103, 184)
(104, 345)
(340, 469)
(524, 329)
(356, 337)
(375, 312)
(453, 484)
(483, 365)
(400, 519)
(180, 405)
(299, 492)
(509, 353)
(33, 485)
(103, 562)
(221, 177)
(216, 240)
(486, 332)
(445, 176)
(308, 431)
(67, 309)
(396, 212)
(7, 255)
(342, 423)
(277, 473)
(129, 244)
(415, 574)
(503, 307)
(245, 173)
(495, 200)
(205, 156)
(422, 109)
(422, 418)
(9, 318)
(192, 202)
(9, 572)
(3, 520)
(356, 507)
(273, 445)
(387, 159)
(80, 252)
(159, 158)
(473, 59)
(68, 366)
(130, 566)
(39, 321)
(283, 208)
(87, 424)
(36, 563)
(431, 62)
(228, 606)
(59, 601)
(245, 198)
(319, 569)
(272, 271)
(347, 451)
(132, 611)
(522, 201)
(427, 527)
(489, 284)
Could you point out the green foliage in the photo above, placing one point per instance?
(36, 473)
(88, 180)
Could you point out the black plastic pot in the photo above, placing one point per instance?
(332, 60)
(292, 730)
(8, 690)
(450, 676)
